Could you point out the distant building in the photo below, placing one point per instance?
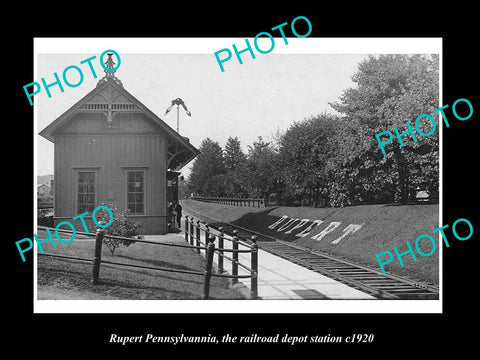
(110, 148)
(43, 190)
(422, 196)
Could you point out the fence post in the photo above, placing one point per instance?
(186, 228)
(207, 234)
(220, 250)
(235, 256)
(97, 258)
(197, 236)
(254, 269)
(191, 231)
(208, 266)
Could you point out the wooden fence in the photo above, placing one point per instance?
(193, 236)
(208, 246)
(249, 202)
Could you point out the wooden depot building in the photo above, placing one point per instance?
(111, 149)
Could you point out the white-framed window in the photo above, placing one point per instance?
(136, 191)
(86, 190)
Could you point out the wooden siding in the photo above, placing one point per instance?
(86, 143)
(97, 123)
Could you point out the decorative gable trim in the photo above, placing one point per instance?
(110, 92)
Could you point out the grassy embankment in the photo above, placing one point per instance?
(384, 226)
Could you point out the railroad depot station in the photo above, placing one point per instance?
(110, 148)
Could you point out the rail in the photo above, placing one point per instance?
(248, 202)
(362, 277)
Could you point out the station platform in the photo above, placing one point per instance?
(280, 279)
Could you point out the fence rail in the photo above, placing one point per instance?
(207, 246)
(248, 202)
(193, 235)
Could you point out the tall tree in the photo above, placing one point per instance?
(207, 177)
(304, 152)
(390, 90)
(233, 154)
(235, 162)
(260, 175)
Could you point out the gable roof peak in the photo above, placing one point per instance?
(109, 70)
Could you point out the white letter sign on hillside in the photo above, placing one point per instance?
(288, 225)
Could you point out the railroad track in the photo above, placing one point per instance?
(361, 277)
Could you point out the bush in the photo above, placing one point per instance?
(120, 226)
(45, 220)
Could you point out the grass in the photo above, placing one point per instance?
(384, 226)
(70, 279)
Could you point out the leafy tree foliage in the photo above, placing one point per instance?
(391, 89)
(260, 175)
(304, 152)
(208, 176)
(235, 162)
(335, 160)
(233, 154)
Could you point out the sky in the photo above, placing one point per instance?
(257, 98)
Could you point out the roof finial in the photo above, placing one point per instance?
(110, 74)
(109, 64)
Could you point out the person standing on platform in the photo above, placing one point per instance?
(178, 211)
